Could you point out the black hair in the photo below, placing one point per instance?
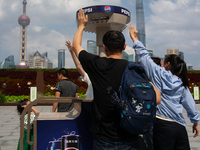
(63, 71)
(114, 41)
(156, 60)
(20, 104)
(178, 64)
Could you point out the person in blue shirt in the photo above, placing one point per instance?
(169, 131)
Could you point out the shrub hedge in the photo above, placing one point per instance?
(19, 81)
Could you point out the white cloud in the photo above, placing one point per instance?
(60, 11)
(10, 43)
(37, 28)
(195, 42)
(129, 50)
(15, 5)
(46, 41)
(174, 25)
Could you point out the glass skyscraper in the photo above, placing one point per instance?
(140, 23)
(8, 63)
(131, 57)
(124, 55)
(91, 47)
(61, 58)
(190, 67)
(150, 52)
(181, 54)
(10, 58)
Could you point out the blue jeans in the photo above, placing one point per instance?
(110, 145)
(148, 137)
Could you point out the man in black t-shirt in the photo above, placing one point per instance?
(105, 72)
(64, 88)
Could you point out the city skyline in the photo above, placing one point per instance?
(167, 26)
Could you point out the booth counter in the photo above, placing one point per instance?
(60, 130)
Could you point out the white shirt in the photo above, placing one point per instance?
(89, 92)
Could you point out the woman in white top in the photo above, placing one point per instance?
(89, 92)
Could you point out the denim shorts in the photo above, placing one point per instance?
(99, 144)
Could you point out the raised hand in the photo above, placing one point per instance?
(68, 44)
(82, 18)
(133, 33)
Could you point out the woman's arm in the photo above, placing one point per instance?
(153, 71)
(75, 59)
(192, 113)
(158, 95)
(34, 110)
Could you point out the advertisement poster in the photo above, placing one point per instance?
(66, 134)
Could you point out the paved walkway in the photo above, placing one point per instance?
(9, 127)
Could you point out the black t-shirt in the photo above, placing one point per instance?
(104, 72)
(66, 89)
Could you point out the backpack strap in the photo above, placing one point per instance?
(113, 95)
(141, 67)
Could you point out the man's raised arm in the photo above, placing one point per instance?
(82, 22)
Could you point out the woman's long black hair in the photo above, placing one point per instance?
(20, 104)
(178, 64)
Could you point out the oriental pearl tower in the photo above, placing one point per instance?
(24, 21)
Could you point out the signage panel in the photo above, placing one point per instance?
(107, 9)
(33, 93)
(196, 92)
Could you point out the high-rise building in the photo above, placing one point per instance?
(36, 60)
(131, 57)
(140, 23)
(150, 52)
(172, 51)
(10, 58)
(8, 63)
(49, 64)
(24, 21)
(124, 55)
(61, 58)
(91, 47)
(190, 67)
(181, 54)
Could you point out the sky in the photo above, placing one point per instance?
(169, 24)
